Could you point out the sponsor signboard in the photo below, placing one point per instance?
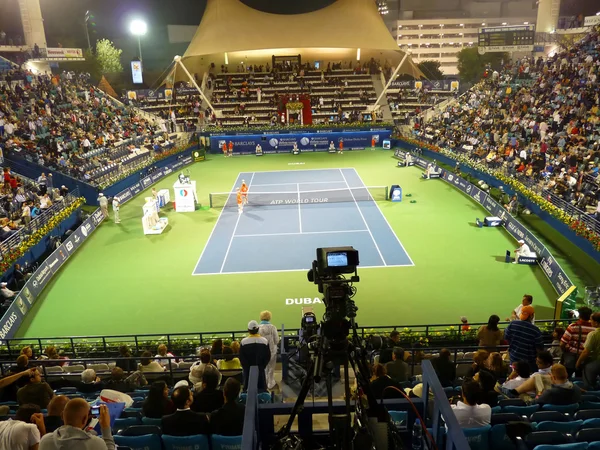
(136, 72)
(430, 85)
(591, 21)
(64, 53)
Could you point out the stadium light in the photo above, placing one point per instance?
(504, 23)
(525, 23)
(358, 54)
(226, 59)
(138, 28)
(483, 24)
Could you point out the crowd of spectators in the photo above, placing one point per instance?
(63, 122)
(536, 119)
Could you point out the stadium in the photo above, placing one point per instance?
(301, 209)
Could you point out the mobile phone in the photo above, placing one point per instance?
(95, 411)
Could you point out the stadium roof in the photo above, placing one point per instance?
(333, 33)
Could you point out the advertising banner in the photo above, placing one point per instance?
(283, 143)
(64, 53)
(136, 72)
(430, 85)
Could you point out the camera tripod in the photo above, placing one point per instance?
(329, 352)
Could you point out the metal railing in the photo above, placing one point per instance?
(573, 211)
(37, 222)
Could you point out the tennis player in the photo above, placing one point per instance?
(244, 192)
(230, 149)
(224, 148)
(240, 202)
(341, 151)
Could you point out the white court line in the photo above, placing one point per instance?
(301, 170)
(216, 223)
(363, 217)
(386, 221)
(296, 270)
(297, 234)
(237, 222)
(304, 182)
(299, 208)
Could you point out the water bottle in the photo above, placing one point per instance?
(417, 436)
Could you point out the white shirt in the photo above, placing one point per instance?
(472, 416)
(518, 312)
(115, 204)
(524, 250)
(17, 435)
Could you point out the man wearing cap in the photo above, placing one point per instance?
(516, 313)
(116, 205)
(6, 292)
(523, 250)
(103, 202)
(254, 351)
(524, 338)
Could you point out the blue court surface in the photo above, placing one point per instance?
(292, 213)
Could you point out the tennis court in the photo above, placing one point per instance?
(290, 214)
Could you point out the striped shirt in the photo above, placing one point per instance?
(524, 340)
(576, 334)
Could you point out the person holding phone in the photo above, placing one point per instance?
(75, 434)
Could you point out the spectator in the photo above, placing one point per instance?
(72, 435)
(444, 368)
(269, 332)
(24, 431)
(386, 352)
(540, 380)
(572, 342)
(562, 391)
(118, 381)
(495, 365)
(524, 338)
(128, 365)
(487, 382)
(209, 398)
(163, 355)
(52, 354)
(6, 293)
(216, 350)
(589, 359)
(184, 422)
(197, 370)
(254, 351)
(53, 419)
(479, 360)
(157, 404)
(397, 369)
(147, 365)
(557, 335)
(519, 375)
(35, 392)
(489, 335)
(382, 385)
(90, 383)
(229, 419)
(526, 301)
(228, 362)
(468, 413)
(235, 346)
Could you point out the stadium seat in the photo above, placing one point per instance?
(140, 430)
(502, 418)
(588, 435)
(151, 421)
(131, 412)
(571, 409)
(589, 398)
(511, 402)
(198, 442)
(147, 442)
(590, 405)
(219, 442)
(521, 410)
(499, 440)
(496, 409)
(545, 438)
(73, 369)
(584, 414)
(591, 423)
(552, 416)
(121, 424)
(594, 446)
(478, 437)
(564, 427)
(570, 446)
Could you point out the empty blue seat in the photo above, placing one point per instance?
(564, 427)
(571, 409)
(538, 438)
(584, 414)
(198, 442)
(589, 405)
(121, 424)
(151, 421)
(521, 410)
(219, 442)
(594, 446)
(591, 423)
(570, 446)
(588, 435)
(499, 440)
(147, 442)
(552, 416)
(478, 437)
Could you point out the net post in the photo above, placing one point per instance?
(210, 202)
(386, 192)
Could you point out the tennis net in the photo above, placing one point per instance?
(360, 194)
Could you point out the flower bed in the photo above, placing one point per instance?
(319, 126)
(576, 225)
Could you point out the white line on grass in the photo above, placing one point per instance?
(296, 270)
(299, 208)
(237, 222)
(301, 170)
(293, 184)
(363, 217)
(386, 221)
(297, 234)
(216, 223)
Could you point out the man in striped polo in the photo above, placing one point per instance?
(524, 338)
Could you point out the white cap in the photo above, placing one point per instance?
(521, 241)
(252, 325)
(3, 284)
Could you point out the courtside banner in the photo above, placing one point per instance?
(17, 311)
(555, 274)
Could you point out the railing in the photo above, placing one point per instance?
(573, 211)
(36, 223)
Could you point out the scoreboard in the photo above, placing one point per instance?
(507, 39)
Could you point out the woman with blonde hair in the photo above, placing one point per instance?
(269, 332)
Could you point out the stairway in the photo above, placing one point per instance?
(383, 103)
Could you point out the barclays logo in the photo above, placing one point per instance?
(305, 141)
(469, 187)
